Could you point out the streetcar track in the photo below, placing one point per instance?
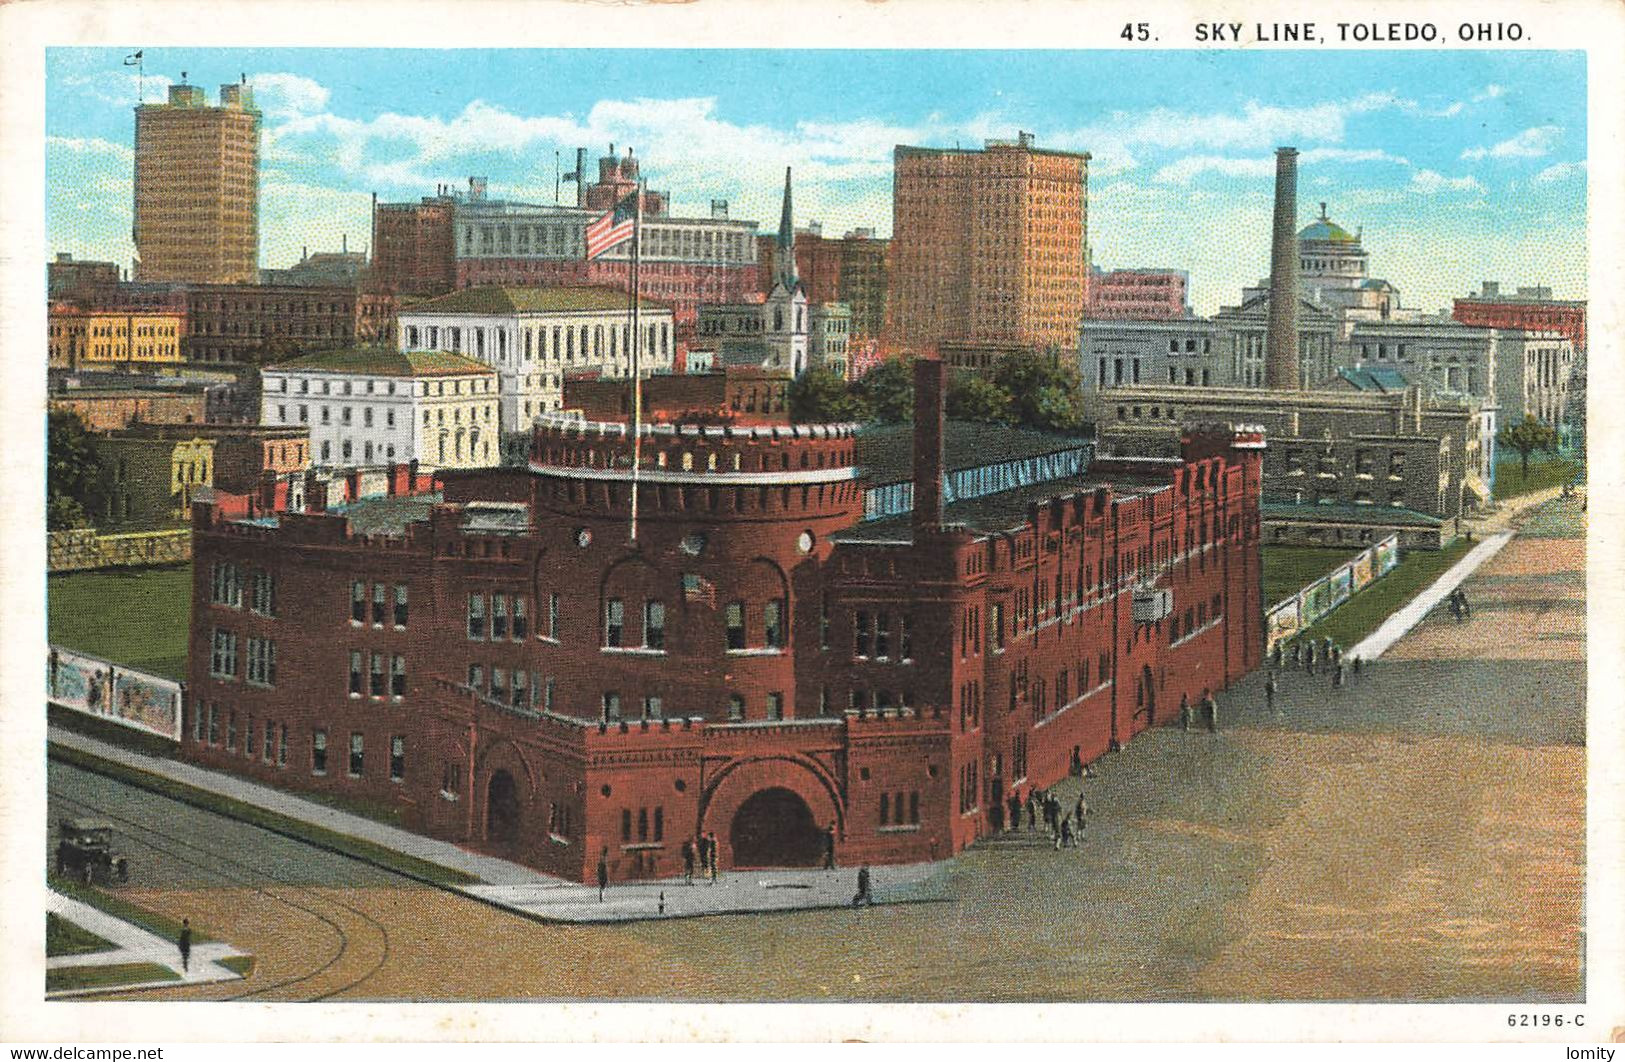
(240, 879)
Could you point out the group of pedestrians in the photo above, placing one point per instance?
(1065, 830)
(701, 850)
(1312, 658)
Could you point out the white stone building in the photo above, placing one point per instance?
(374, 406)
(1536, 373)
(533, 337)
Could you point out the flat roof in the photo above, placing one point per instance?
(384, 361)
(387, 515)
(495, 301)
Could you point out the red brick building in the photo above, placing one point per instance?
(1528, 309)
(412, 247)
(502, 662)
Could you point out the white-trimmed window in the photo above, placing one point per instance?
(264, 593)
(358, 760)
(262, 661)
(318, 752)
(223, 654)
(397, 758)
(476, 616)
(226, 585)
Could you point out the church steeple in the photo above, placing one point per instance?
(784, 251)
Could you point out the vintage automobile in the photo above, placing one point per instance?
(85, 849)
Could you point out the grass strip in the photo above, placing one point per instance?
(1510, 482)
(112, 904)
(62, 937)
(241, 965)
(367, 851)
(123, 973)
(138, 617)
(1288, 569)
(1366, 611)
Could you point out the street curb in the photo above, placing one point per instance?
(280, 831)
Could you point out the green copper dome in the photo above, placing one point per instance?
(1328, 230)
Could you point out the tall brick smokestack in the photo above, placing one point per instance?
(930, 418)
(1281, 343)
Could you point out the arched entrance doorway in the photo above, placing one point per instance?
(775, 828)
(501, 809)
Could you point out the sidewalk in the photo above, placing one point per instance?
(534, 894)
(132, 944)
(1399, 624)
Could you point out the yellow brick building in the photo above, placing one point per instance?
(87, 339)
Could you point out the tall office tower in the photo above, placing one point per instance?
(197, 187)
(989, 246)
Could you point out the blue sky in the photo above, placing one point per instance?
(1460, 166)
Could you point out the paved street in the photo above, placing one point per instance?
(1416, 835)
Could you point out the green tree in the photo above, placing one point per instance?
(1526, 437)
(888, 389)
(72, 470)
(822, 396)
(1045, 390)
(972, 396)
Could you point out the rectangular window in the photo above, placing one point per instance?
(499, 617)
(773, 624)
(214, 725)
(775, 706)
(612, 707)
(614, 622)
(736, 707)
(400, 604)
(521, 620)
(653, 709)
(735, 618)
(358, 602)
(476, 616)
(397, 759)
(654, 624)
(264, 593)
(499, 684)
(197, 722)
(397, 677)
(282, 746)
(553, 616)
(270, 739)
(860, 634)
(548, 690)
(355, 674)
(357, 756)
(379, 603)
(231, 730)
(262, 661)
(249, 734)
(318, 751)
(882, 635)
(521, 689)
(223, 658)
(377, 686)
(823, 622)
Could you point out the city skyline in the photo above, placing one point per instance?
(1459, 168)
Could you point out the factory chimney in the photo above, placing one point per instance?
(1281, 341)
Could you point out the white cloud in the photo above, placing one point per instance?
(1529, 144)
(1490, 92)
(92, 146)
(1560, 171)
(288, 95)
(1430, 182)
(1184, 170)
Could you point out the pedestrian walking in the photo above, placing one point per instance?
(1184, 711)
(1337, 677)
(688, 862)
(1326, 647)
(1015, 810)
(1081, 811)
(1275, 656)
(829, 847)
(1356, 667)
(185, 942)
(1210, 708)
(1269, 692)
(603, 873)
(1032, 811)
(1065, 840)
(1309, 658)
(712, 846)
(662, 908)
(1337, 655)
(863, 899)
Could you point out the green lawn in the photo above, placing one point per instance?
(241, 965)
(132, 616)
(1545, 471)
(62, 937)
(1288, 569)
(1366, 610)
(122, 973)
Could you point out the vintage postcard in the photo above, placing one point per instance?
(836, 506)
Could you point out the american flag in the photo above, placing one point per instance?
(613, 228)
(699, 588)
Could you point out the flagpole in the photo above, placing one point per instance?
(637, 375)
